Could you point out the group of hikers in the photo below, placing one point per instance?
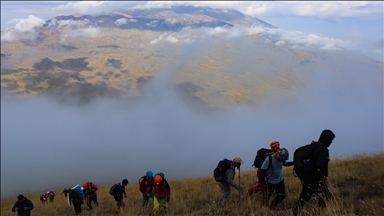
(310, 165)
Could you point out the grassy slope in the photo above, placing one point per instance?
(356, 183)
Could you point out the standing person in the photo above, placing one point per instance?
(228, 180)
(161, 193)
(145, 187)
(22, 206)
(117, 191)
(316, 183)
(274, 147)
(75, 197)
(90, 189)
(272, 171)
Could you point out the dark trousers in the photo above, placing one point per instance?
(310, 187)
(92, 198)
(280, 190)
(119, 200)
(77, 207)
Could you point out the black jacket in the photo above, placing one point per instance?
(321, 154)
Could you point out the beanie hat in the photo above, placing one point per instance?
(149, 174)
(238, 160)
(274, 143)
(158, 179)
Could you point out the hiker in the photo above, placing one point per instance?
(22, 206)
(228, 180)
(75, 197)
(274, 147)
(145, 187)
(50, 195)
(90, 189)
(43, 198)
(161, 193)
(272, 172)
(117, 191)
(316, 182)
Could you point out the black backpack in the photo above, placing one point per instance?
(221, 169)
(303, 160)
(113, 190)
(260, 157)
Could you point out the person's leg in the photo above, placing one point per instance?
(226, 192)
(280, 190)
(164, 204)
(305, 195)
(118, 203)
(145, 200)
(324, 194)
(155, 205)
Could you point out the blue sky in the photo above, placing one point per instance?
(358, 23)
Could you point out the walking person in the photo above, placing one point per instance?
(226, 181)
(22, 206)
(118, 191)
(316, 182)
(261, 155)
(272, 171)
(161, 193)
(145, 187)
(90, 189)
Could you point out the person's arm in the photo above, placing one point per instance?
(322, 161)
(265, 166)
(230, 175)
(30, 205)
(287, 164)
(15, 208)
(123, 192)
(168, 191)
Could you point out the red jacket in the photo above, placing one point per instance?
(145, 185)
(162, 191)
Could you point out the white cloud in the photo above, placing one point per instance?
(71, 23)
(29, 23)
(7, 36)
(83, 7)
(280, 43)
(121, 21)
(171, 21)
(90, 32)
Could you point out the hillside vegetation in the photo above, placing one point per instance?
(356, 183)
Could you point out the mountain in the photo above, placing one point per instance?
(213, 57)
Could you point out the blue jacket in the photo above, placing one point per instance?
(21, 205)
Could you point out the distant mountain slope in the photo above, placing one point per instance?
(228, 57)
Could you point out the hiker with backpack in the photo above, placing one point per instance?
(117, 191)
(90, 189)
(145, 187)
(75, 197)
(23, 206)
(50, 195)
(259, 159)
(224, 175)
(161, 193)
(272, 172)
(311, 166)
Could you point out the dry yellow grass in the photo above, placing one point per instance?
(355, 182)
